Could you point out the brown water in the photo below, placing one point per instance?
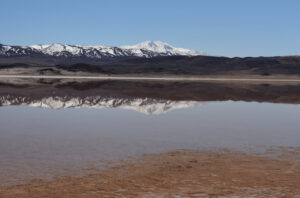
(56, 128)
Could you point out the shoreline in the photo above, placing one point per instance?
(184, 173)
(151, 78)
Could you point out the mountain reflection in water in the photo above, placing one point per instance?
(143, 97)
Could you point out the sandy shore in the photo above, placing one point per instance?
(177, 174)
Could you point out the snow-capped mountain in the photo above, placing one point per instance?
(162, 47)
(141, 105)
(146, 49)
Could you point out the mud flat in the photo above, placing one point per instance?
(179, 174)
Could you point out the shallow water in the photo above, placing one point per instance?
(67, 130)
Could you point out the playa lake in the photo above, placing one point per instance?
(58, 128)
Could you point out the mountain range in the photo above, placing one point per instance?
(63, 53)
(146, 58)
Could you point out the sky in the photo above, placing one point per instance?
(217, 27)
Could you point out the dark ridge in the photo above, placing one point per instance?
(197, 65)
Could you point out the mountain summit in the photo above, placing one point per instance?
(162, 47)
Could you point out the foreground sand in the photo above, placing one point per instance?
(177, 174)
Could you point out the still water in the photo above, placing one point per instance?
(50, 129)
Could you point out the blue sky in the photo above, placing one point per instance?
(218, 27)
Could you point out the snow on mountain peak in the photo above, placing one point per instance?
(162, 47)
(145, 49)
(156, 46)
(57, 48)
